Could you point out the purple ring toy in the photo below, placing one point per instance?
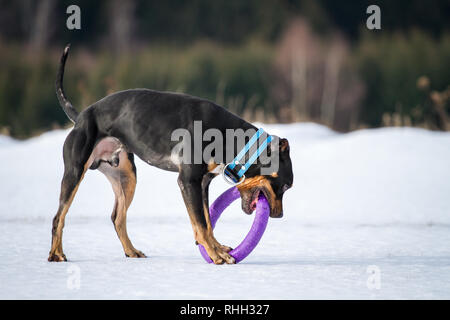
(256, 231)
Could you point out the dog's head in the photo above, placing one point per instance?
(272, 186)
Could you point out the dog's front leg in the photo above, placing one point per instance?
(193, 193)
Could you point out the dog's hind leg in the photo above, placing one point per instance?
(122, 176)
(77, 149)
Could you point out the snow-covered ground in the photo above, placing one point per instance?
(368, 217)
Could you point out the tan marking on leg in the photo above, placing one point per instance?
(203, 234)
(56, 251)
(123, 182)
(205, 237)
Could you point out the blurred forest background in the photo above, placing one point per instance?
(266, 60)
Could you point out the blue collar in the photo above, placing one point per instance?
(234, 172)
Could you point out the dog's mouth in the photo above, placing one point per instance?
(250, 199)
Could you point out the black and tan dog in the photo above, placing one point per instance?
(108, 133)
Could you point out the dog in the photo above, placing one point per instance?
(108, 134)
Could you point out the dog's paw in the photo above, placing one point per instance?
(226, 248)
(53, 257)
(220, 255)
(135, 254)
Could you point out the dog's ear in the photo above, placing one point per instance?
(282, 143)
(284, 146)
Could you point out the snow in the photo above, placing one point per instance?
(369, 199)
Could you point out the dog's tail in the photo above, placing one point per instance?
(70, 111)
